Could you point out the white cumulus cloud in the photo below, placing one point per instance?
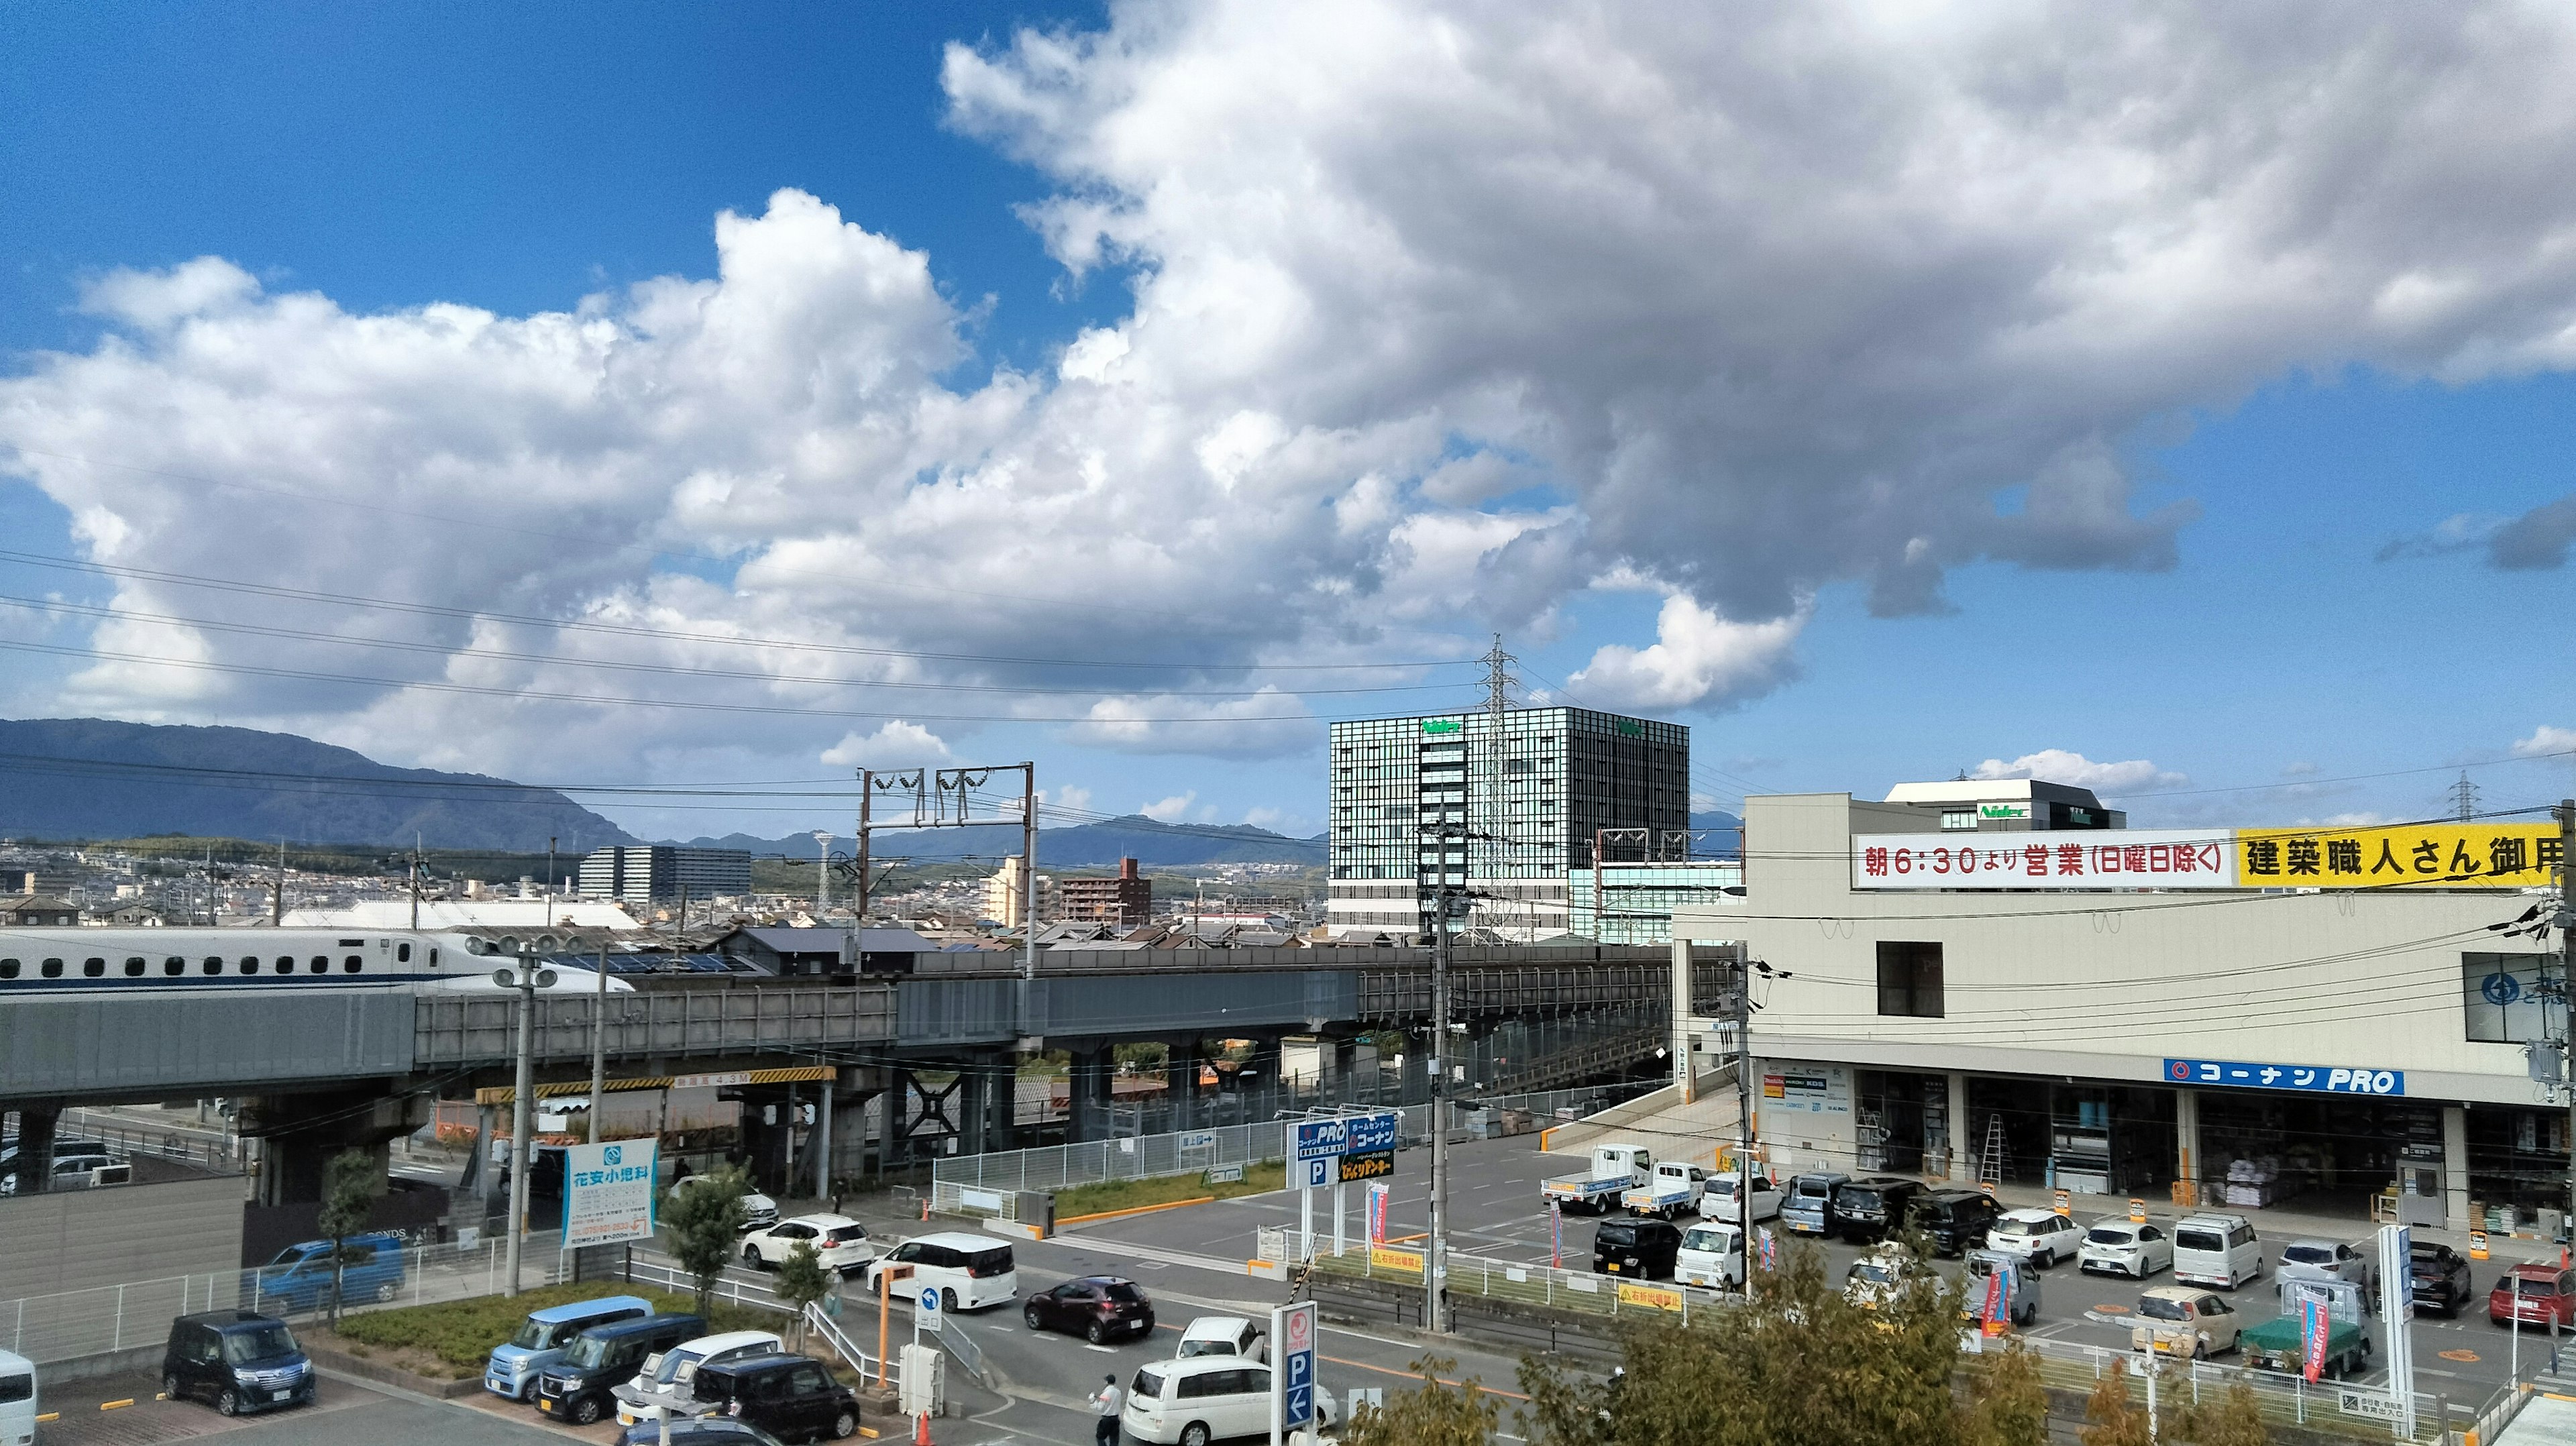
(2545, 740)
(1170, 810)
(898, 744)
(1698, 658)
(2057, 765)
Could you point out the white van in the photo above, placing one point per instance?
(1204, 1399)
(2217, 1250)
(18, 1406)
(1222, 1335)
(1712, 1255)
(970, 1272)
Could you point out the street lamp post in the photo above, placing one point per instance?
(527, 978)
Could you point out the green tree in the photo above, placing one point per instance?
(801, 1281)
(351, 1181)
(1801, 1362)
(2110, 1417)
(2232, 1419)
(1433, 1414)
(701, 1223)
(2007, 1400)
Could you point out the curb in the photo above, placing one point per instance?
(1132, 1210)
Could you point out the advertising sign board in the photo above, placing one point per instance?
(2089, 859)
(609, 1192)
(1348, 1135)
(2322, 1079)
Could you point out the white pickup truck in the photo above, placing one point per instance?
(1674, 1189)
(1616, 1169)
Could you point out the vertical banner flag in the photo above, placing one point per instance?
(1770, 1259)
(1555, 1234)
(2313, 1325)
(1995, 1306)
(1377, 1203)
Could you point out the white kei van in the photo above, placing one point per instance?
(970, 1272)
(1204, 1399)
(2217, 1250)
(1712, 1255)
(17, 1400)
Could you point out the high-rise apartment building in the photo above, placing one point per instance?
(660, 873)
(1127, 900)
(1505, 811)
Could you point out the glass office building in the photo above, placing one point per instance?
(1505, 813)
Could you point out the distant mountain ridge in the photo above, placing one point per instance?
(96, 778)
(1090, 845)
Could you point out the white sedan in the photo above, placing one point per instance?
(758, 1211)
(2118, 1247)
(841, 1242)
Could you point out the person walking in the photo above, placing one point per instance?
(1109, 1401)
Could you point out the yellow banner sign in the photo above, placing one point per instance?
(1650, 1295)
(1383, 1258)
(2423, 855)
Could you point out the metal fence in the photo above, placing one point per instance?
(2284, 1399)
(996, 1174)
(111, 1318)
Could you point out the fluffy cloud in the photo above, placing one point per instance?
(2545, 741)
(1441, 314)
(896, 745)
(1698, 658)
(1170, 810)
(2057, 765)
(2536, 541)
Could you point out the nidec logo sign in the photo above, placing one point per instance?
(1441, 725)
(2003, 810)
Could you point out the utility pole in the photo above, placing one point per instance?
(1028, 851)
(1435, 1261)
(527, 979)
(415, 883)
(277, 902)
(599, 1041)
(550, 881)
(1744, 1117)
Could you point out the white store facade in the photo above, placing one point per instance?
(2264, 1016)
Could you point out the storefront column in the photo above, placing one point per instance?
(2187, 1142)
(2455, 1168)
(1963, 1144)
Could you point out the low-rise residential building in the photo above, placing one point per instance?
(38, 910)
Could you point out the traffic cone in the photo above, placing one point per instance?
(921, 1430)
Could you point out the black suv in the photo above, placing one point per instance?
(1873, 1209)
(578, 1387)
(2440, 1277)
(1957, 1220)
(1640, 1248)
(791, 1397)
(238, 1359)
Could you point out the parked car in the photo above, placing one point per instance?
(237, 1360)
(2332, 1260)
(20, 1403)
(1207, 1398)
(1223, 1335)
(840, 1241)
(666, 1382)
(1098, 1308)
(1883, 1276)
(77, 1165)
(1639, 1248)
(713, 1431)
(2439, 1277)
(793, 1398)
(1873, 1209)
(1717, 1198)
(581, 1387)
(2041, 1237)
(302, 1276)
(2021, 1284)
(1956, 1220)
(1711, 1254)
(970, 1272)
(543, 1337)
(2120, 1247)
(2218, 1250)
(2534, 1294)
(2182, 1320)
(759, 1212)
(1808, 1207)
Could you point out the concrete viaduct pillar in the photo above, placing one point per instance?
(299, 1134)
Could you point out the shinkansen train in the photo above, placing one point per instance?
(41, 962)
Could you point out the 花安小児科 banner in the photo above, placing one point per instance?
(2423, 855)
(609, 1192)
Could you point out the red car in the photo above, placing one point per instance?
(2534, 1294)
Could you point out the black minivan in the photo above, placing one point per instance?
(1956, 1220)
(1641, 1249)
(1873, 1209)
(578, 1387)
(791, 1397)
(238, 1359)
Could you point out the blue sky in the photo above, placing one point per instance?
(1803, 490)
